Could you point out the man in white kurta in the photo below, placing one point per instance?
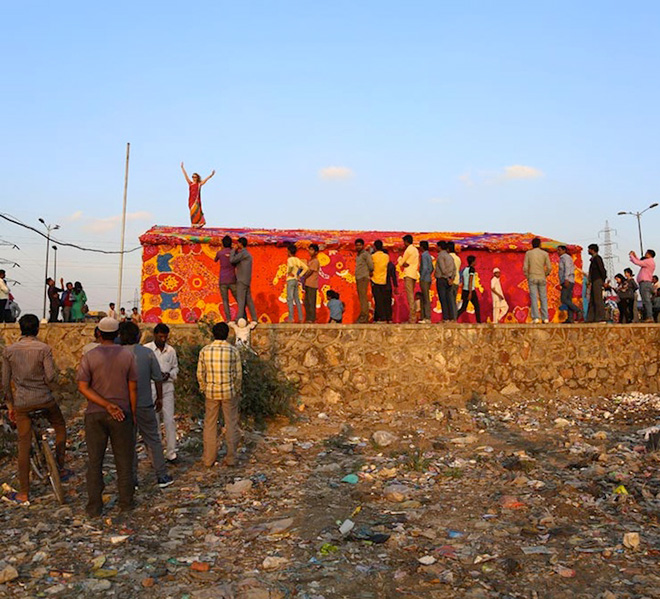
(500, 307)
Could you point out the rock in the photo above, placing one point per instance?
(240, 487)
(330, 396)
(427, 560)
(384, 438)
(510, 390)
(468, 440)
(149, 582)
(280, 526)
(562, 422)
(631, 540)
(8, 573)
(95, 586)
(55, 589)
(285, 447)
(274, 563)
(396, 493)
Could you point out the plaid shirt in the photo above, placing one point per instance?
(28, 363)
(219, 371)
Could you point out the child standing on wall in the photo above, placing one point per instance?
(335, 306)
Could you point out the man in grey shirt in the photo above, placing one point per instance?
(242, 259)
(445, 272)
(537, 267)
(567, 282)
(364, 267)
(146, 422)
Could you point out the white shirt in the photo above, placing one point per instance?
(167, 361)
(496, 286)
(112, 314)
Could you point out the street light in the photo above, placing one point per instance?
(49, 228)
(639, 225)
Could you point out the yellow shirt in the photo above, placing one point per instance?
(411, 258)
(457, 262)
(379, 276)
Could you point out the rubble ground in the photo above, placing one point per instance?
(471, 499)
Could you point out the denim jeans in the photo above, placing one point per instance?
(293, 298)
(537, 289)
(567, 300)
(646, 291)
(425, 286)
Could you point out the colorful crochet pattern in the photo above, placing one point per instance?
(180, 276)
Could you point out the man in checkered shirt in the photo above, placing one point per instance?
(220, 373)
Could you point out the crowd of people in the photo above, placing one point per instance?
(129, 389)
(456, 284)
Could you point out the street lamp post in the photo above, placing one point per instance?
(49, 228)
(639, 225)
(55, 264)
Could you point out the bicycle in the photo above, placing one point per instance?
(42, 459)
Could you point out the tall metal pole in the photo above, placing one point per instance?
(46, 272)
(639, 228)
(55, 264)
(123, 229)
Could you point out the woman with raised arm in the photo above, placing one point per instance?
(195, 197)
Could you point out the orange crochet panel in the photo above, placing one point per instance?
(180, 276)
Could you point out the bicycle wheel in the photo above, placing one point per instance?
(37, 460)
(53, 471)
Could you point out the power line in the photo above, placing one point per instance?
(63, 243)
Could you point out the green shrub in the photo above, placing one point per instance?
(267, 393)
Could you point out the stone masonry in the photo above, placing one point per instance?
(391, 365)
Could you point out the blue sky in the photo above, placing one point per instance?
(466, 116)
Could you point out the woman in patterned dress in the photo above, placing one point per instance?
(195, 197)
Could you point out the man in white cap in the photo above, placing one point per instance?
(107, 377)
(500, 306)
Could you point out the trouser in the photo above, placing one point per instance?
(499, 312)
(166, 418)
(293, 298)
(646, 292)
(596, 311)
(380, 302)
(54, 312)
(245, 300)
(3, 305)
(66, 313)
(475, 303)
(447, 303)
(566, 298)
(99, 427)
(452, 305)
(224, 293)
(24, 430)
(210, 435)
(425, 286)
(626, 310)
(363, 296)
(538, 290)
(147, 426)
(310, 304)
(410, 295)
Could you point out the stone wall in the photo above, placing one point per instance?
(389, 365)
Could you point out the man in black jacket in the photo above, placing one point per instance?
(597, 277)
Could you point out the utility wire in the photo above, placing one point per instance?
(14, 221)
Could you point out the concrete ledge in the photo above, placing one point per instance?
(390, 365)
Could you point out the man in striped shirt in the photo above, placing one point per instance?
(220, 373)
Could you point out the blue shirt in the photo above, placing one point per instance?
(336, 308)
(425, 267)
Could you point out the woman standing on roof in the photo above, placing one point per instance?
(195, 197)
